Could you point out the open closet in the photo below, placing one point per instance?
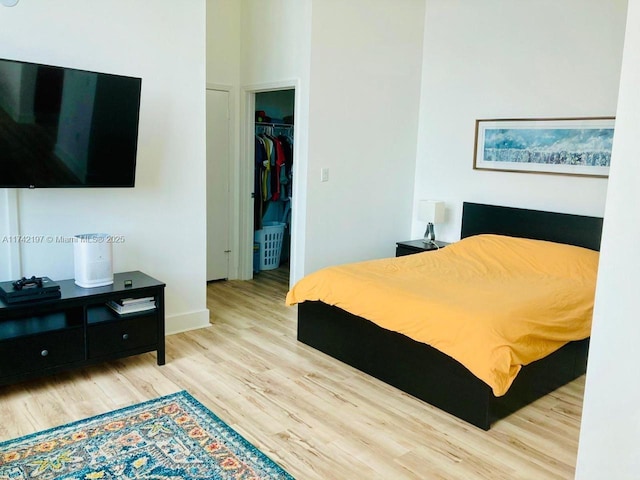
(273, 178)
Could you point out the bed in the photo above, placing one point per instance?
(435, 377)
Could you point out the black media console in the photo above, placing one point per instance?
(79, 329)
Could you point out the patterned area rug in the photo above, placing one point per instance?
(173, 437)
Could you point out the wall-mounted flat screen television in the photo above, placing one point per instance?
(63, 127)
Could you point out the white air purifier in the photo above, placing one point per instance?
(92, 260)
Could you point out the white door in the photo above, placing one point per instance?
(217, 184)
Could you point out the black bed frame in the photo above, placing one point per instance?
(427, 373)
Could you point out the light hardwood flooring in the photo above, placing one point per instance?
(316, 417)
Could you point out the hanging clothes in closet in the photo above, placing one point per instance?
(273, 168)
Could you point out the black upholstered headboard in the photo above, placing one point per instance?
(577, 230)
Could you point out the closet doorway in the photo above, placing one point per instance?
(273, 179)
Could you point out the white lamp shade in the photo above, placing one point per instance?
(431, 211)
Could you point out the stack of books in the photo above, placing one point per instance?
(132, 305)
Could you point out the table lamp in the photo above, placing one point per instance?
(430, 211)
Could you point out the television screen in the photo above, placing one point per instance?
(62, 127)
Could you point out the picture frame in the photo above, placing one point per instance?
(561, 146)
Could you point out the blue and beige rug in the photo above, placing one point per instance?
(170, 438)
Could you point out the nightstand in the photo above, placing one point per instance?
(409, 247)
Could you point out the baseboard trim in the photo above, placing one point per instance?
(186, 321)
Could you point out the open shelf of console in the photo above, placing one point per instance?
(78, 329)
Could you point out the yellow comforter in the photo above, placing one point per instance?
(491, 302)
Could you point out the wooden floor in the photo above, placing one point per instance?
(316, 417)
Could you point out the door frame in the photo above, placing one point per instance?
(232, 176)
(246, 171)
(230, 228)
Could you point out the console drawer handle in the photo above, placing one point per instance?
(44, 353)
(125, 336)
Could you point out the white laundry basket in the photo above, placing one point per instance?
(270, 240)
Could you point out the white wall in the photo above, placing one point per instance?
(276, 54)
(223, 73)
(610, 433)
(257, 45)
(517, 59)
(275, 41)
(366, 60)
(163, 217)
(223, 42)
(8, 252)
(5, 254)
(358, 64)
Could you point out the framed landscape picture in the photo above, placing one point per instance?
(565, 146)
